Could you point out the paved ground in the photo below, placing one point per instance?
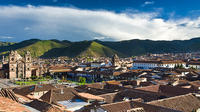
(5, 83)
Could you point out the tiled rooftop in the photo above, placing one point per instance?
(8, 105)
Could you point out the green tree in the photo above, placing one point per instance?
(179, 66)
(34, 77)
(82, 80)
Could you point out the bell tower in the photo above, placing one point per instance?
(115, 60)
(28, 64)
(12, 65)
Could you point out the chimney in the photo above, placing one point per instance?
(61, 91)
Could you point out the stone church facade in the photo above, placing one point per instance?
(19, 67)
(116, 61)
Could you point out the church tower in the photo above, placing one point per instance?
(12, 65)
(115, 60)
(28, 64)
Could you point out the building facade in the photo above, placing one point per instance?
(194, 64)
(155, 64)
(19, 67)
(115, 61)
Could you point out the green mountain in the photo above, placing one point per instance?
(6, 43)
(35, 46)
(140, 47)
(82, 49)
(96, 48)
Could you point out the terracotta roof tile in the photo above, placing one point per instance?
(185, 103)
(44, 106)
(90, 96)
(54, 95)
(33, 88)
(168, 90)
(130, 94)
(9, 105)
(128, 105)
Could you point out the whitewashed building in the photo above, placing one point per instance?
(154, 64)
(194, 64)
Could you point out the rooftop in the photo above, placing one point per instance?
(8, 105)
(185, 103)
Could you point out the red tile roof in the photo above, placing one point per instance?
(90, 96)
(168, 90)
(8, 105)
(185, 103)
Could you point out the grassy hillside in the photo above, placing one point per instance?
(80, 49)
(39, 48)
(72, 50)
(6, 44)
(36, 47)
(97, 50)
(18, 45)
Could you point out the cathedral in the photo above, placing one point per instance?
(19, 67)
(115, 61)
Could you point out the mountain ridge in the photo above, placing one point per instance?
(98, 48)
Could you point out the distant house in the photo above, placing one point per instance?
(97, 64)
(194, 64)
(157, 63)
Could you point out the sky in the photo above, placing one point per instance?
(106, 20)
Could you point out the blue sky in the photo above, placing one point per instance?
(115, 20)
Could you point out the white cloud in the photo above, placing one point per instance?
(6, 37)
(100, 38)
(147, 3)
(76, 24)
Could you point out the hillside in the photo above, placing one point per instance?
(6, 43)
(82, 49)
(139, 47)
(39, 48)
(36, 47)
(96, 48)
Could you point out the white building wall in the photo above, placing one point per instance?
(194, 66)
(154, 65)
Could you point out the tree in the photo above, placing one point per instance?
(82, 80)
(33, 77)
(179, 66)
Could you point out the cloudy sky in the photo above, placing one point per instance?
(115, 20)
